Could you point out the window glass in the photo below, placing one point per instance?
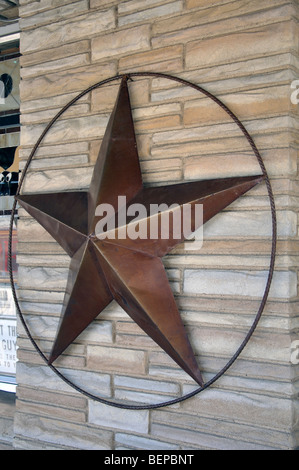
(9, 176)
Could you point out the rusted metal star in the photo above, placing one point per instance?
(118, 267)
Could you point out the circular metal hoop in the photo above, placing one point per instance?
(273, 249)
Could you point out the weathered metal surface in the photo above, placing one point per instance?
(129, 271)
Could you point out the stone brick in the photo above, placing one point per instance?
(55, 84)
(103, 98)
(42, 377)
(243, 163)
(135, 5)
(219, 131)
(152, 13)
(43, 277)
(130, 441)
(251, 409)
(204, 3)
(66, 131)
(143, 398)
(246, 283)
(54, 15)
(263, 102)
(29, 227)
(45, 116)
(70, 415)
(67, 31)
(240, 224)
(205, 441)
(63, 51)
(146, 58)
(59, 150)
(235, 46)
(103, 3)
(47, 430)
(54, 180)
(7, 433)
(207, 15)
(44, 104)
(145, 384)
(115, 418)
(166, 164)
(32, 7)
(67, 162)
(209, 29)
(115, 359)
(78, 60)
(121, 42)
(266, 346)
(153, 124)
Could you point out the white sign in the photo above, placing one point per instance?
(8, 346)
(7, 304)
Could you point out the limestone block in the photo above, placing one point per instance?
(219, 131)
(60, 52)
(255, 224)
(279, 162)
(97, 332)
(165, 34)
(42, 377)
(235, 46)
(244, 283)
(135, 5)
(32, 231)
(121, 42)
(203, 440)
(54, 15)
(114, 418)
(67, 31)
(54, 84)
(46, 116)
(48, 278)
(213, 342)
(207, 15)
(131, 441)
(255, 103)
(61, 433)
(133, 383)
(142, 397)
(78, 60)
(252, 409)
(115, 359)
(152, 13)
(231, 427)
(59, 162)
(57, 180)
(103, 98)
(60, 150)
(67, 130)
(76, 403)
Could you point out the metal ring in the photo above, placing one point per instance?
(273, 249)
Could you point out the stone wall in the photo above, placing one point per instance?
(7, 411)
(247, 54)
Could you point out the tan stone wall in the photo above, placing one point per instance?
(7, 412)
(247, 54)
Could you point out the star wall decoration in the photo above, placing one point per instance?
(108, 264)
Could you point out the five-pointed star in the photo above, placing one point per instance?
(129, 271)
